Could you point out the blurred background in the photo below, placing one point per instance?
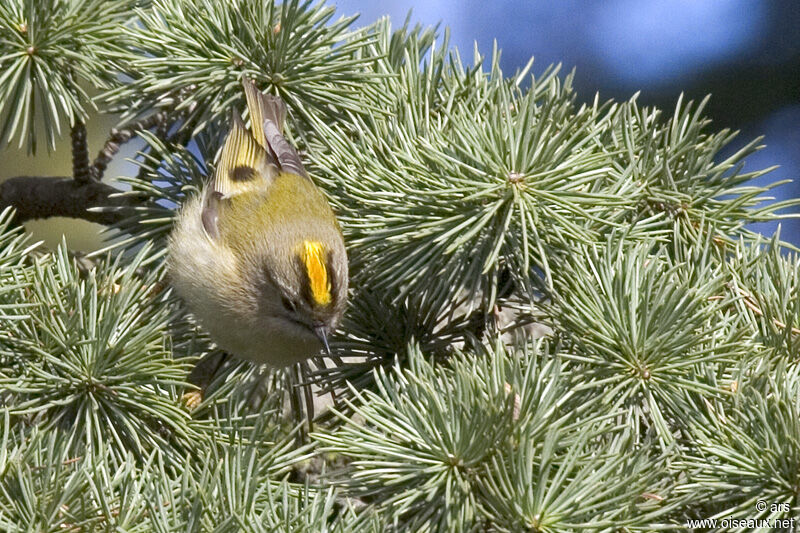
(745, 53)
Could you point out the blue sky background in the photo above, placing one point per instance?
(746, 53)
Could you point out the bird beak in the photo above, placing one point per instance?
(322, 335)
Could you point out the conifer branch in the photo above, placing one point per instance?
(662, 393)
(749, 302)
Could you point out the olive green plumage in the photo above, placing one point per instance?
(258, 256)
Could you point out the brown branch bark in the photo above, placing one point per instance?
(42, 197)
(118, 137)
(37, 197)
(80, 152)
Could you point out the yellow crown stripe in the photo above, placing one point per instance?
(314, 260)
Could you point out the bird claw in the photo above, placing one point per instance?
(192, 399)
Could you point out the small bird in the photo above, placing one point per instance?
(259, 257)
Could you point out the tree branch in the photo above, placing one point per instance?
(80, 153)
(42, 197)
(38, 197)
(118, 137)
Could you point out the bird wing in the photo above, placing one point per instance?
(244, 166)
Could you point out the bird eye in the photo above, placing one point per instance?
(288, 304)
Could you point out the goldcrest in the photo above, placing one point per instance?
(259, 257)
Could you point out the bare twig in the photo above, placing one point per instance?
(42, 197)
(36, 197)
(118, 137)
(80, 153)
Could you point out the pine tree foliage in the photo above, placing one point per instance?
(749, 453)
(50, 52)
(92, 355)
(494, 438)
(296, 48)
(477, 208)
(14, 248)
(654, 331)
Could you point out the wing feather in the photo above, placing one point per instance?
(244, 165)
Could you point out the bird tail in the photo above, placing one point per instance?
(267, 115)
(263, 108)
